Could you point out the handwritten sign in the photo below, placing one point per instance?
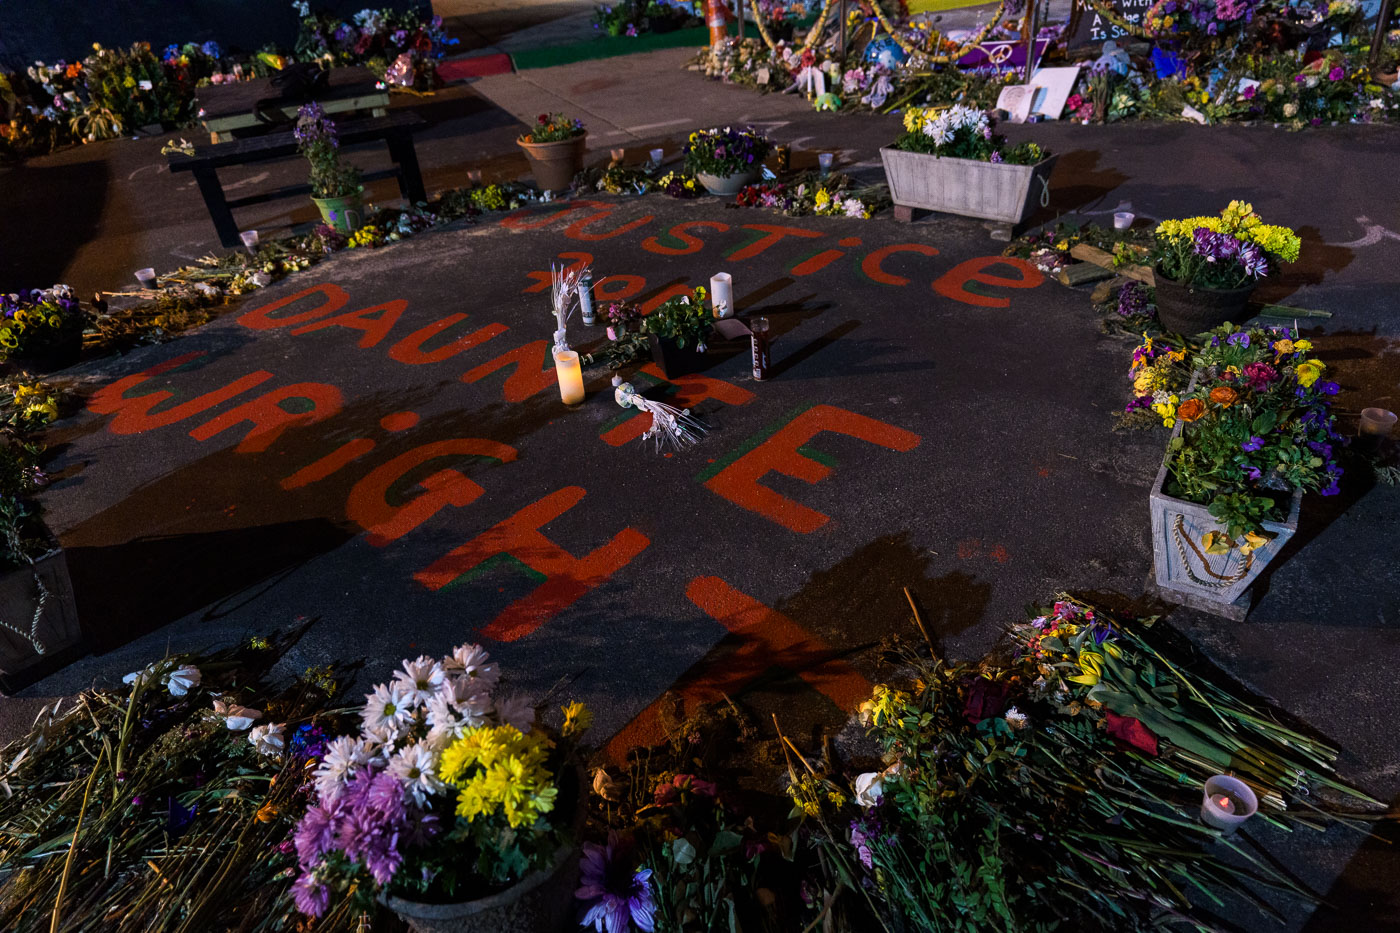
(1094, 28)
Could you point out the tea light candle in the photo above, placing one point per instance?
(147, 277)
(1374, 421)
(722, 294)
(824, 161)
(656, 156)
(1227, 802)
(570, 372)
(250, 240)
(1123, 220)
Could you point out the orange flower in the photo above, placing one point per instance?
(267, 813)
(73, 70)
(1224, 396)
(1190, 410)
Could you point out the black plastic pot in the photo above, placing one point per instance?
(1190, 309)
(674, 360)
(58, 355)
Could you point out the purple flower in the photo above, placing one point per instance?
(1252, 472)
(995, 157)
(1254, 261)
(1240, 339)
(1249, 93)
(1336, 74)
(614, 894)
(1327, 388)
(314, 835)
(310, 896)
(1253, 444)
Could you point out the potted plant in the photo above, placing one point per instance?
(335, 185)
(950, 160)
(677, 331)
(40, 330)
(726, 160)
(38, 619)
(554, 148)
(453, 805)
(1251, 433)
(1206, 267)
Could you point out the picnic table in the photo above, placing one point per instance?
(224, 108)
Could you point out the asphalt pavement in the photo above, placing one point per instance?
(378, 444)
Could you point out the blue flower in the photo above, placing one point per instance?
(1253, 444)
(1240, 340)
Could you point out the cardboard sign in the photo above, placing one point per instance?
(1094, 29)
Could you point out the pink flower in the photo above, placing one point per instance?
(1248, 93)
(1336, 74)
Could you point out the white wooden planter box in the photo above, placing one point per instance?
(1180, 558)
(990, 190)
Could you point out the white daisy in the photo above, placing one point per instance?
(344, 756)
(416, 768)
(383, 740)
(475, 664)
(419, 679)
(386, 706)
(517, 711)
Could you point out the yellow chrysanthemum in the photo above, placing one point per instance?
(577, 719)
(1309, 371)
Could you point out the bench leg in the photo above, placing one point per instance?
(213, 192)
(406, 158)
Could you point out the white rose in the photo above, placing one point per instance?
(870, 787)
(268, 740)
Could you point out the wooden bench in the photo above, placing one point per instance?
(396, 130)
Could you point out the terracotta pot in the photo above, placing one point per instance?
(728, 185)
(1190, 309)
(345, 215)
(555, 164)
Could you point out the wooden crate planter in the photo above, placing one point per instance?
(32, 647)
(989, 190)
(1211, 582)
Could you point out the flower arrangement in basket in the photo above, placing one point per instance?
(1222, 252)
(553, 128)
(38, 323)
(450, 791)
(1255, 425)
(725, 152)
(961, 132)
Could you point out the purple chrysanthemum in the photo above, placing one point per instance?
(615, 895)
(310, 896)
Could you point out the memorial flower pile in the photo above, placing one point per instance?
(553, 128)
(725, 151)
(1222, 252)
(1256, 424)
(962, 132)
(171, 796)
(1060, 777)
(402, 47)
(831, 196)
(450, 789)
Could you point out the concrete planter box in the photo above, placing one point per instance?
(1211, 582)
(36, 639)
(989, 190)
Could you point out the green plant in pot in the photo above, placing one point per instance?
(335, 184)
(1207, 267)
(726, 160)
(554, 147)
(677, 331)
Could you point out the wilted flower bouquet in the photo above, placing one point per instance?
(1256, 424)
(962, 132)
(450, 790)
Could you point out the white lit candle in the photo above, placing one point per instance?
(722, 294)
(1227, 802)
(570, 373)
(250, 240)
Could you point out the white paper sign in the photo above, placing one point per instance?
(1017, 100)
(1056, 85)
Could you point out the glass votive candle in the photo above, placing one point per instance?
(617, 154)
(824, 162)
(657, 155)
(147, 277)
(1227, 803)
(250, 240)
(1377, 422)
(1123, 220)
